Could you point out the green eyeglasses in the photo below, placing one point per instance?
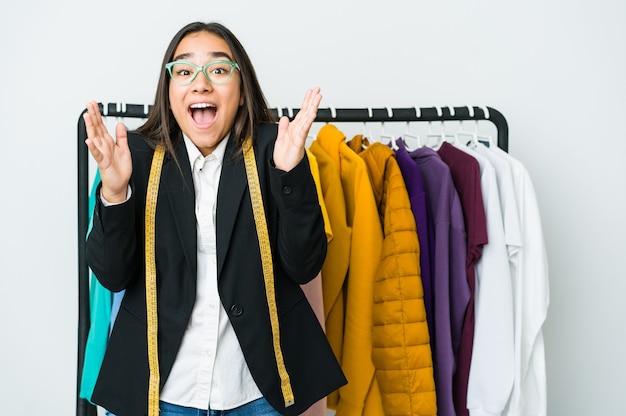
(217, 72)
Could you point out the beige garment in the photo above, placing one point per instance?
(313, 292)
(313, 289)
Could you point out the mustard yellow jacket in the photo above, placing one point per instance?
(401, 350)
(349, 270)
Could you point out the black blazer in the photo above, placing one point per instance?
(115, 253)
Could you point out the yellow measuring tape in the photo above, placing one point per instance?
(151, 295)
(268, 268)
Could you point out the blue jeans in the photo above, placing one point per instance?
(259, 407)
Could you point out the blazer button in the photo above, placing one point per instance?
(286, 190)
(236, 310)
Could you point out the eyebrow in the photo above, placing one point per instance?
(212, 55)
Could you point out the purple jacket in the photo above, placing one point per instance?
(449, 279)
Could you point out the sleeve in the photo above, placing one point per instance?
(111, 248)
(302, 244)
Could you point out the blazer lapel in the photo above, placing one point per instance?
(180, 193)
(233, 182)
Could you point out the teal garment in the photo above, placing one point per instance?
(100, 300)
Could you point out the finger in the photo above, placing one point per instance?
(91, 119)
(316, 99)
(93, 112)
(121, 136)
(306, 102)
(95, 126)
(283, 125)
(310, 105)
(312, 99)
(89, 126)
(97, 155)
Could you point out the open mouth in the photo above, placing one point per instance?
(203, 114)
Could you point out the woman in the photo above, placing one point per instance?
(215, 343)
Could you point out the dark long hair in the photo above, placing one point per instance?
(161, 126)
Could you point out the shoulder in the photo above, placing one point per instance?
(264, 141)
(141, 152)
(266, 135)
(137, 142)
(140, 147)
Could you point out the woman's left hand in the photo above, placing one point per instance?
(290, 142)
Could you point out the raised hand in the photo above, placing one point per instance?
(289, 148)
(113, 156)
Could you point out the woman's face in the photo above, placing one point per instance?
(205, 112)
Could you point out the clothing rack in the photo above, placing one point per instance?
(327, 115)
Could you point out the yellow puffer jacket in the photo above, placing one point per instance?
(401, 350)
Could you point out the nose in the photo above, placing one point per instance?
(202, 83)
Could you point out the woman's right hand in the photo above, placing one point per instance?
(113, 156)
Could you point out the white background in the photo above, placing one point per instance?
(555, 69)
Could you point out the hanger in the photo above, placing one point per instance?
(367, 134)
(384, 136)
(440, 137)
(468, 138)
(485, 139)
(431, 135)
(473, 138)
(408, 135)
(451, 138)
